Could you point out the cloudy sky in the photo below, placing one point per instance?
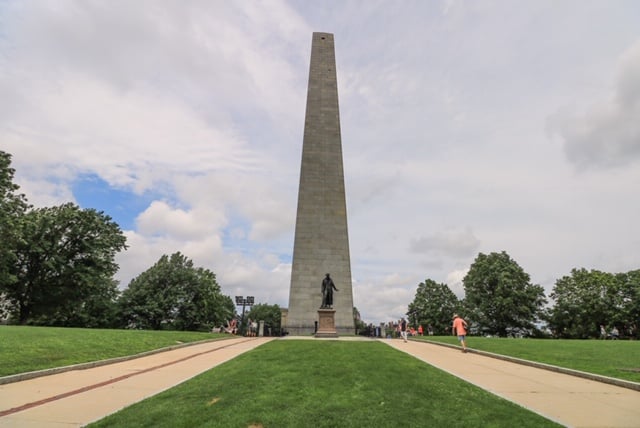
(467, 127)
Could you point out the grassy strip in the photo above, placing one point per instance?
(614, 358)
(297, 383)
(25, 349)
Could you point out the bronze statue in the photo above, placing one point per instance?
(327, 292)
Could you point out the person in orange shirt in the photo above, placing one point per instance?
(459, 328)
(420, 331)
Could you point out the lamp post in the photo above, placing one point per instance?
(244, 302)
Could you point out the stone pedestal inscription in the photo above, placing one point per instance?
(326, 323)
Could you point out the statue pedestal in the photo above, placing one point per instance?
(326, 323)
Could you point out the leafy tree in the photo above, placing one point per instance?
(587, 299)
(270, 314)
(499, 294)
(361, 327)
(12, 207)
(99, 310)
(173, 294)
(629, 302)
(433, 305)
(64, 260)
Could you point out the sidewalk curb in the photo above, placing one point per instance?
(590, 376)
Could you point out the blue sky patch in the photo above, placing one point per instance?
(121, 205)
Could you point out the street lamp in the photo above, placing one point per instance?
(244, 302)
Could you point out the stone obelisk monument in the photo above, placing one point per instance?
(321, 243)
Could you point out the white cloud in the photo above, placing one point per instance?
(608, 134)
(385, 300)
(443, 112)
(453, 242)
(162, 219)
(454, 281)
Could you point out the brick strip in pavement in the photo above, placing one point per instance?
(78, 397)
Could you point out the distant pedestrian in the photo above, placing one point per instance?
(231, 326)
(403, 329)
(459, 328)
(615, 334)
(603, 332)
(420, 331)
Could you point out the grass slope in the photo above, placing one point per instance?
(25, 349)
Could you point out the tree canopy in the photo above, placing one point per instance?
(627, 304)
(12, 206)
(585, 300)
(173, 294)
(64, 258)
(433, 305)
(57, 266)
(270, 314)
(499, 295)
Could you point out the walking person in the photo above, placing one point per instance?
(459, 328)
(403, 329)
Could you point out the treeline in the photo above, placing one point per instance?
(501, 300)
(57, 266)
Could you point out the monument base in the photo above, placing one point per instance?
(326, 323)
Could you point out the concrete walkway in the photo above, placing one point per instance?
(569, 400)
(78, 397)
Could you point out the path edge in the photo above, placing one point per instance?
(19, 377)
(591, 376)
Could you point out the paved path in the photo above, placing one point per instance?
(569, 400)
(77, 397)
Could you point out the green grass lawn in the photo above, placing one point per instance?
(302, 383)
(310, 383)
(614, 358)
(25, 349)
